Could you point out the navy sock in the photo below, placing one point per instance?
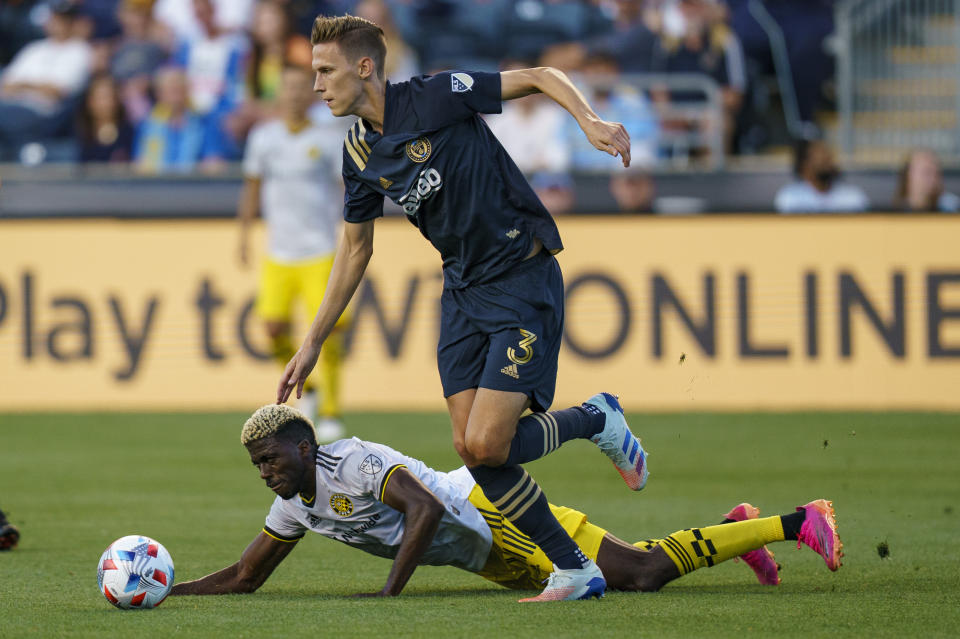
(539, 434)
(519, 499)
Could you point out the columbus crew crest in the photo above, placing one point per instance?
(341, 504)
(419, 150)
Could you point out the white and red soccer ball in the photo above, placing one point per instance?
(135, 572)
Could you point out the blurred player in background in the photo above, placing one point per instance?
(291, 173)
(9, 535)
(423, 144)
(371, 497)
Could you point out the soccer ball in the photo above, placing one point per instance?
(135, 572)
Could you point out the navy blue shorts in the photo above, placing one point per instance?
(505, 335)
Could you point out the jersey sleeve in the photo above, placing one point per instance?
(367, 468)
(452, 96)
(281, 526)
(253, 157)
(360, 202)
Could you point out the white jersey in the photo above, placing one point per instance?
(351, 476)
(301, 196)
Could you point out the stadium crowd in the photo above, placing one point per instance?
(175, 86)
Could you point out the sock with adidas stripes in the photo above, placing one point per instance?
(539, 434)
(519, 499)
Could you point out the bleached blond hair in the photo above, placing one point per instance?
(269, 420)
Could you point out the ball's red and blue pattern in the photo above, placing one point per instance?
(135, 572)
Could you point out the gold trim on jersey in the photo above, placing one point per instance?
(354, 149)
(386, 478)
(361, 134)
(279, 537)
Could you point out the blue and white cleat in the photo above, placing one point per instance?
(619, 444)
(569, 585)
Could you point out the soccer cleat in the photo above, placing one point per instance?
(819, 531)
(761, 559)
(569, 585)
(618, 443)
(329, 429)
(9, 535)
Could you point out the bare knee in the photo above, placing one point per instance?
(482, 450)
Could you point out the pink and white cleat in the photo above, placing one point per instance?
(761, 559)
(569, 585)
(819, 531)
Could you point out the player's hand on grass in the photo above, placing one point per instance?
(610, 137)
(297, 371)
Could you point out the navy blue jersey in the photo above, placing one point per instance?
(438, 160)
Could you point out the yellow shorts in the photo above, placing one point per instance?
(515, 561)
(282, 282)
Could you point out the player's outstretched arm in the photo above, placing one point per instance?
(610, 137)
(256, 564)
(349, 264)
(423, 512)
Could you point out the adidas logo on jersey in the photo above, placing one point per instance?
(511, 370)
(385, 183)
(460, 82)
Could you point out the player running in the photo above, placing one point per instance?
(371, 497)
(422, 144)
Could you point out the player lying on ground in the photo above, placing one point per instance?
(371, 497)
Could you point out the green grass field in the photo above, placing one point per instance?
(74, 483)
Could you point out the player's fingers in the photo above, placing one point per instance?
(609, 148)
(300, 387)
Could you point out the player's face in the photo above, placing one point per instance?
(337, 80)
(281, 464)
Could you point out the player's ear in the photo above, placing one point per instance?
(304, 447)
(365, 67)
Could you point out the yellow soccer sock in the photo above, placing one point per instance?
(703, 547)
(329, 375)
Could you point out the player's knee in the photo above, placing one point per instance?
(483, 451)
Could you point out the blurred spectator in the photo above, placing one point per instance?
(630, 42)
(174, 138)
(613, 101)
(401, 63)
(532, 131)
(103, 132)
(805, 24)
(40, 87)
(816, 189)
(555, 191)
(136, 57)
(530, 26)
(633, 190)
(215, 66)
(18, 27)
(273, 46)
(694, 38)
(920, 186)
(182, 22)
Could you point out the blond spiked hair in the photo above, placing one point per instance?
(269, 420)
(356, 37)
